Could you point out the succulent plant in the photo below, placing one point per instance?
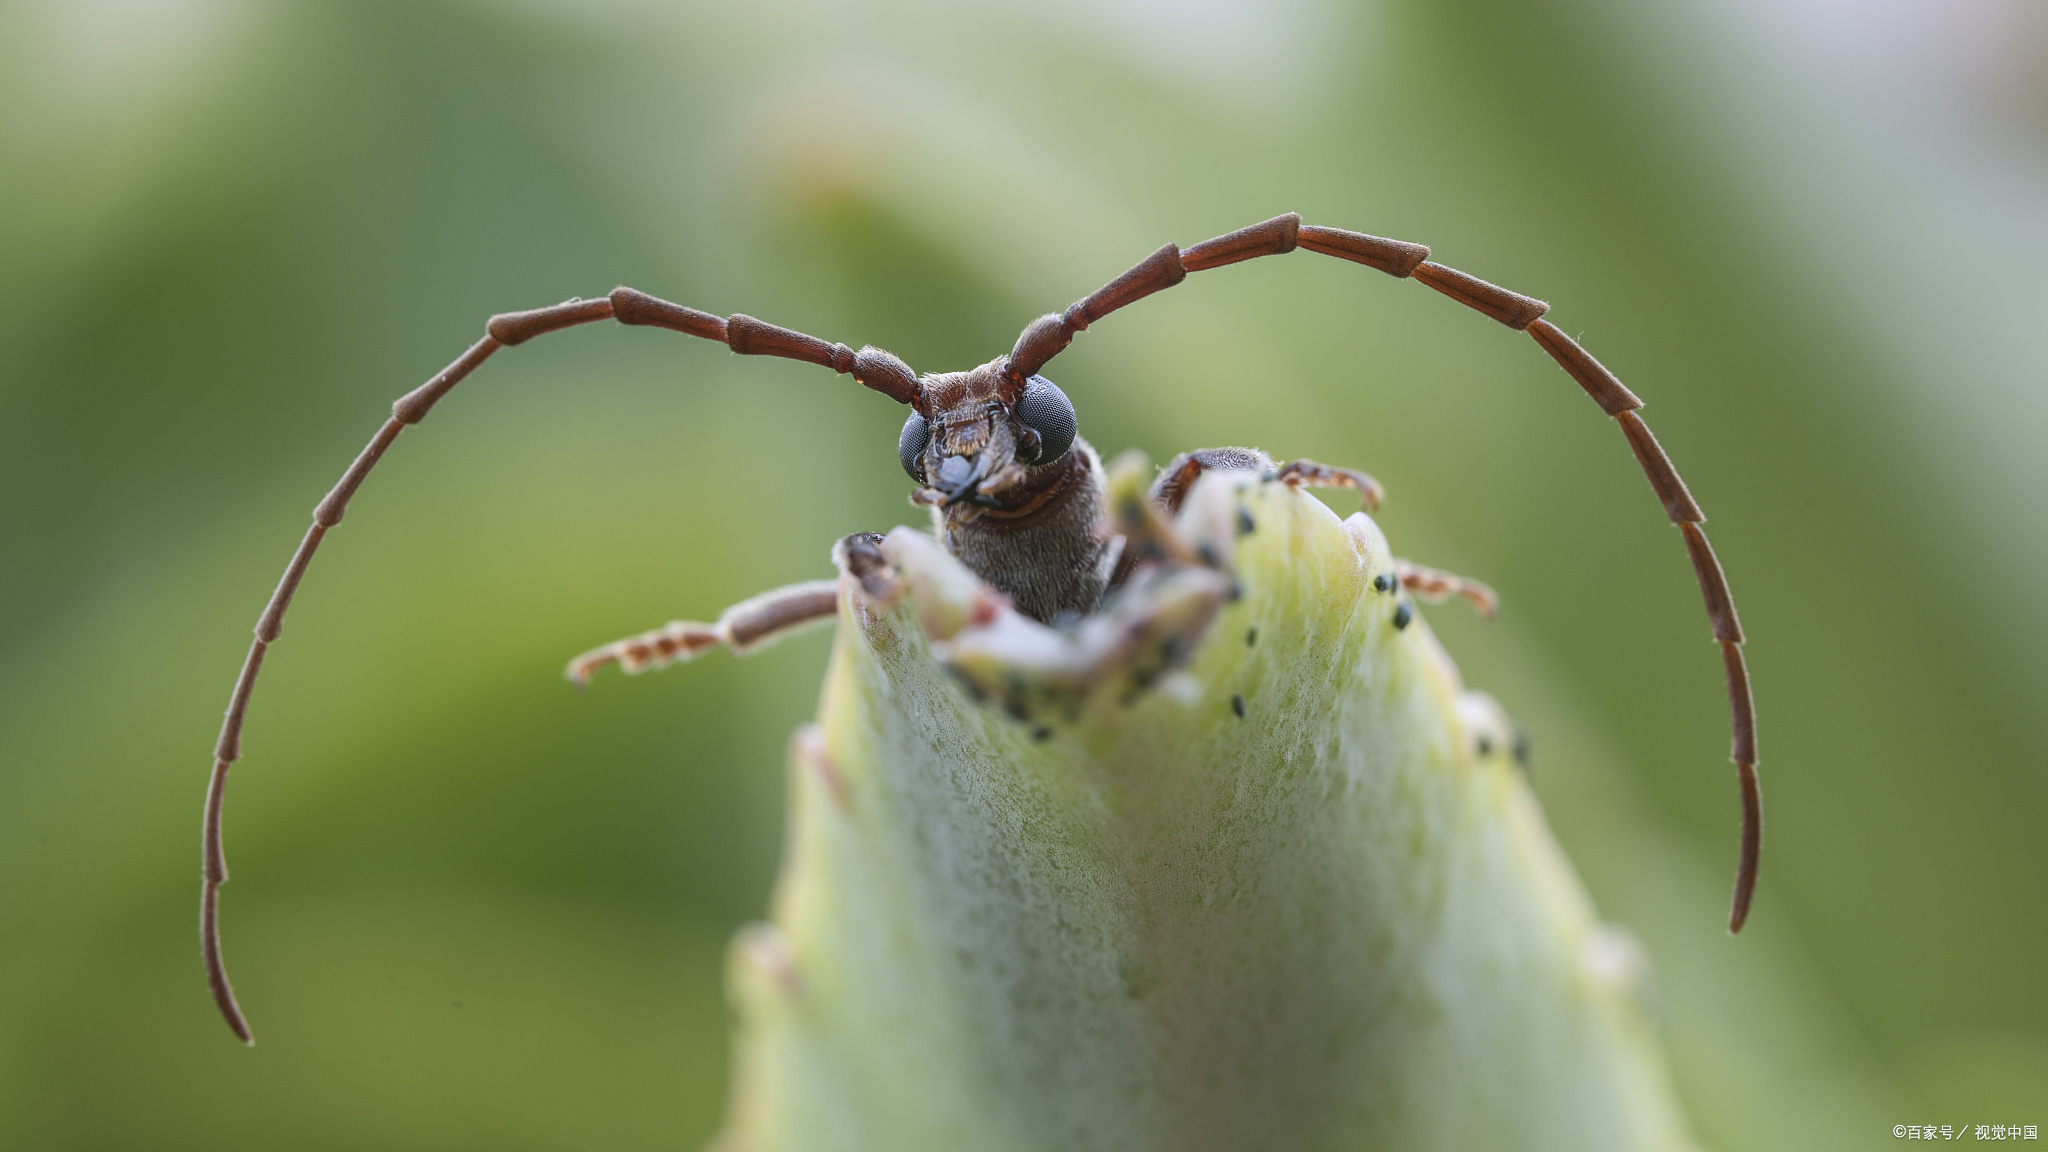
(1236, 862)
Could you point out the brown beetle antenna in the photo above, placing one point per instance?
(743, 334)
(1047, 336)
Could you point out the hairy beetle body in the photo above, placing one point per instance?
(1047, 554)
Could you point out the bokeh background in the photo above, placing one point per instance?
(473, 909)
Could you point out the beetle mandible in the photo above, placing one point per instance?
(1016, 494)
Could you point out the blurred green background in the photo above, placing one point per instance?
(473, 909)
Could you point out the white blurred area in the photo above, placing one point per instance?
(1911, 137)
(1922, 127)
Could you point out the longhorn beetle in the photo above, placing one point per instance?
(1015, 493)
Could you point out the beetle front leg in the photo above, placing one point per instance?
(742, 628)
(1307, 472)
(1180, 474)
(1434, 586)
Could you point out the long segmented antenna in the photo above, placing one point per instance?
(1040, 342)
(743, 334)
(1047, 336)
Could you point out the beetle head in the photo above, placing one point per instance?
(985, 439)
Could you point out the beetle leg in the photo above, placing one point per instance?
(743, 628)
(1434, 586)
(1314, 475)
(1181, 472)
(1037, 673)
(1040, 673)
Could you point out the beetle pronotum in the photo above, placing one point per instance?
(1016, 495)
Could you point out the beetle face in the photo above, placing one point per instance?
(985, 441)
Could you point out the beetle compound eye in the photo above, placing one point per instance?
(910, 446)
(1046, 410)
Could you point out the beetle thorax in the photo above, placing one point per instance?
(1047, 554)
(1015, 495)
